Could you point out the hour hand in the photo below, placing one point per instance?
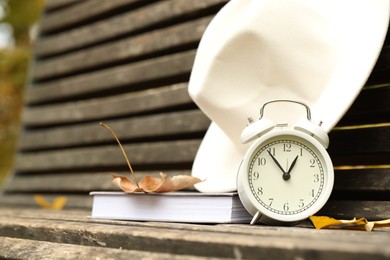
(292, 165)
(277, 163)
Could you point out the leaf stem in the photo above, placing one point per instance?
(123, 151)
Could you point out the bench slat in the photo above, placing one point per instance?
(129, 48)
(364, 146)
(347, 181)
(363, 180)
(112, 78)
(22, 200)
(155, 127)
(127, 104)
(77, 182)
(53, 5)
(348, 209)
(341, 209)
(201, 240)
(80, 12)
(171, 153)
(16, 248)
(154, 15)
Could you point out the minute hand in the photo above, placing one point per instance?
(278, 164)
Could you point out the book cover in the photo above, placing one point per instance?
(188, 207)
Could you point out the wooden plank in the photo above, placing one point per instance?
(82, 11)
(198, 240)
(51, 5)
(76, 182)
(360, 145)
(155, 127)
(348, 209)
(128, 48)
(158, 153)
(26, 200)
(363, 180)
(152, 16)
(127, 104)
(125, 77)
(16, 248)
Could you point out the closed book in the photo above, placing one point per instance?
(189, 207)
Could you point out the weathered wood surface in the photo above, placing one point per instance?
(52, 5)
(77, 182)
(166, 126)
(114, 79)
(152, 16)
(127, 104)
(360, 146)
(82, 12)
(127, 49)
(156, 153)
(15, 248)
(225, 241)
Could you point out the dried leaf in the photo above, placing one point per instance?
(148, 183)
(321, 222)
(125, 184)
(167, 183)
(154, 184)
(57, 204)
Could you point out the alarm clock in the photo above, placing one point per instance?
(286, 174)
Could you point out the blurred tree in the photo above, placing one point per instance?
(21, 15)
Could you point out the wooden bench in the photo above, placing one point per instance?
(127, 63)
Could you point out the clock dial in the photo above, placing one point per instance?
(286, 175)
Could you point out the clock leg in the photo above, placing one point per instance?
(256, 217)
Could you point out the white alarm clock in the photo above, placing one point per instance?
(286, 174)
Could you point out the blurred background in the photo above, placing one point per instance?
(18, 25)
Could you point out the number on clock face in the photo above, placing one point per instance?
(286, 176)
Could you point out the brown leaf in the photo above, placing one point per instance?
(125, 184)
(154, 184)
(149, 183)
(167, 183)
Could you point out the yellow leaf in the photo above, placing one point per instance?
(321, 222)
(57, 204)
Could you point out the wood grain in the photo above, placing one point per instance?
(109, 156)
(142, 19)
(155, 127)
(125, 77)
(148, 101)
(126, 49)
(197, 240)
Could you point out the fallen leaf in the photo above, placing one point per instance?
(321, 222)
(155, 184)
(148, 183)
(57, 204)
(125, 184)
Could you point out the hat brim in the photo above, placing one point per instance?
(323, 64)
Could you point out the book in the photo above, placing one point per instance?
(188, 207)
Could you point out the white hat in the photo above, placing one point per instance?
(317, 52)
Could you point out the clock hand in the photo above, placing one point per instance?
(293, 163)
(291, 167)
(280, 167)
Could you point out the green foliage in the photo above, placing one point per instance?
(13, 71)
(21, 15)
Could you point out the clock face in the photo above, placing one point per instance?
(286, 175)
